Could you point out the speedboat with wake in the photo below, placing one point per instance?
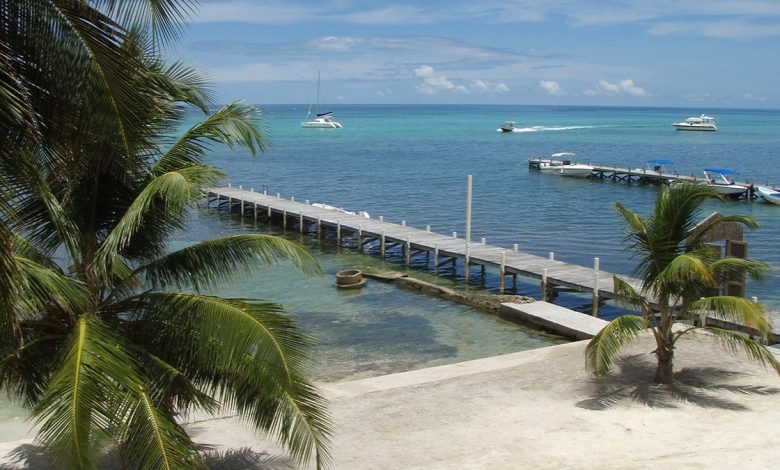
(508, 126)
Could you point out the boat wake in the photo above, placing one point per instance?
(553, 128)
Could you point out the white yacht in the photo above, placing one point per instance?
(701, 123)
(321, 120)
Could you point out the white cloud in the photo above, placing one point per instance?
(551, 87)
(752, 97)
(434, 83)
(728, 29)
(336, 44)
(623, 87)
(483, 86)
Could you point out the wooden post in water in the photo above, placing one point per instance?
(408, 252)
(242, 208)
(284, 219)
(269, 213)
(360, 238)
(502, 272)
(300, 222)
(436, 257)
(338, 231)
(544, 285)
(382, 245)
(319, 226)
(255, 212)
(596, 288)
(468, 228)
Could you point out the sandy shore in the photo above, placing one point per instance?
(540, 410)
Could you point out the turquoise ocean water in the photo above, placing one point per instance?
(409, 162)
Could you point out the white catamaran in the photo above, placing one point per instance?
(321, 120)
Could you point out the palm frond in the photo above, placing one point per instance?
(738, 267)
(628, 296)
(214, 262)
(171, 191)
(686, 270)
(88, 396)
(162, 17)
(155, 440)
(40, 287)
(602, 350)
(736, 310)
(252, 355)
(235, 125)
(735, 342)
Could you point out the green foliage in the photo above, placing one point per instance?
(93, 181)
(678, 271)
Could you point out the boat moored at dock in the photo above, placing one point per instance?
(564, 164)
(768, 194)
(718, 179)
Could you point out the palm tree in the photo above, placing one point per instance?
(678, 272)
(96, 334)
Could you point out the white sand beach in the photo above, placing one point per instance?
(541, 410)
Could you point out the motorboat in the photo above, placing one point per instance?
(321, 120)
(577, 170)
(563, 164)
(508, 126)
(701, 123)
(769, 194)
(556, 161)
(719, 179)
(657, 166)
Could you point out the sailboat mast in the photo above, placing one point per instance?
(318, 92)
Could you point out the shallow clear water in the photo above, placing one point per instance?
(378, 329)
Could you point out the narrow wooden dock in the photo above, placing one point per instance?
(379, 236)
(643, 176)
(374, 236)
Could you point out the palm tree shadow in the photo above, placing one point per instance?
(700, 386)
(34, 456)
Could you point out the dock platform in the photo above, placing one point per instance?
(378, 237)
(644, 176)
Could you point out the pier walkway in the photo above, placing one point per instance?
(379, 236)
(443, 249)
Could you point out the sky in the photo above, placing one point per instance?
(683, 53)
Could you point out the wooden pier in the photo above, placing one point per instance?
(378, 237)
(642, 176)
